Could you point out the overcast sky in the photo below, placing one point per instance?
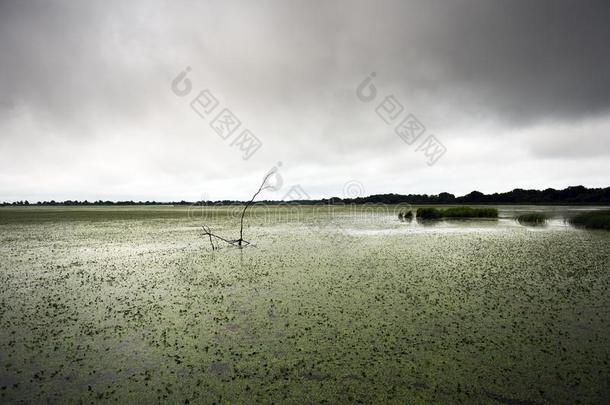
(517, 93)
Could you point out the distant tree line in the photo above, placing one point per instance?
(572, 195)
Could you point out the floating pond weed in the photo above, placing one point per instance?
(141, 310)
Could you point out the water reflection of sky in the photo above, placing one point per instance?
(457, 227)
(392, 226)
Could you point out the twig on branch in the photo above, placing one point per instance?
(241, 242)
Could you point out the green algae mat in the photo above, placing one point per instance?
(132, 305)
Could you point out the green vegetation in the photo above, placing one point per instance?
(532, 218)
(429, 213)
(133, 306)
(456, 212)
(468, 212)
(592, 220)
(405, 216)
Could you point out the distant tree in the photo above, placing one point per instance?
(473, 197)
(446, 198)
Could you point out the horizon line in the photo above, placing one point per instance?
(312, 200)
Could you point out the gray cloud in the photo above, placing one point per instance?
(84, 88)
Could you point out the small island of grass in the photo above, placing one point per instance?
(456, 212)
(532, 218)
(592, 220)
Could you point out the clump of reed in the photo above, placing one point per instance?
(592, 220)
(532, 218)
(456, 212)
(405, 216)
(468, 212)
(429, 213)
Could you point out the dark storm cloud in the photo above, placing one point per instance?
(76, 65)
(529, 74)
(519, 60)
(530, 59)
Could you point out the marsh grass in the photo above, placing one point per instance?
(408, 216)
(456, 212)
(592, 220)
(429, 213)
(468, 212)
(532, 218)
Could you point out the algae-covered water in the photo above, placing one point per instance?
(131, 304)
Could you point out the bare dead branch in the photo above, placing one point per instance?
(262, 187)
(241, 242)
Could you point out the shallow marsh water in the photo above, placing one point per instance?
(131, 304)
